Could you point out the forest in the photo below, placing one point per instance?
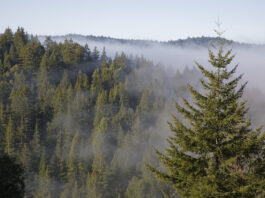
(83, 123)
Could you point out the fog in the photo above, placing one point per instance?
(169, 60)
(250, 57)
(174, 58)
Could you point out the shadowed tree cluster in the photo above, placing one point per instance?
(11, 178)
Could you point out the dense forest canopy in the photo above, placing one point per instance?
(83, 123)
(80, 122)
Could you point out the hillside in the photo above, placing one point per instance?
(193, 41)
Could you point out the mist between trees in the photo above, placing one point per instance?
(83, 122)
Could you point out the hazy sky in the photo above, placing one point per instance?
(244, 20)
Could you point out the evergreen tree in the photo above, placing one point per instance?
(87, 53)
(216, 154)
(31, 55)
(13, 55)
(73, 154)
(43, 179)
(24, 157)
(20, 40)
(6, 62)
(35, 148)
(10, 138)
(95, 54)
(103, 58)
(6, 40)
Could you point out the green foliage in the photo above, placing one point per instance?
(82, 123)
(31, 55)
(214, 153)
(10, 138)
(72, 53)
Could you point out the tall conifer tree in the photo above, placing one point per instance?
(9, 138)
(216, 154)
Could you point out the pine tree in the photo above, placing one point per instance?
(216, 154)
(87, 53)
(35, 147)
(24, 157)
(103, 58)
(20, 39)
(42, 179)
(9, 138)
(6, 40)
(13, 55)
(31, 55)
(71, 163)
(95, 54)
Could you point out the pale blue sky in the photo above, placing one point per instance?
(244, 20)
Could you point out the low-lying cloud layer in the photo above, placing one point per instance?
(250, 58)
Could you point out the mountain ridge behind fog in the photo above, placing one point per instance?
(203, 41)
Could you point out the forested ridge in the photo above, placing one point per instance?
(82, 124)
(77, 122)
(202, 41)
